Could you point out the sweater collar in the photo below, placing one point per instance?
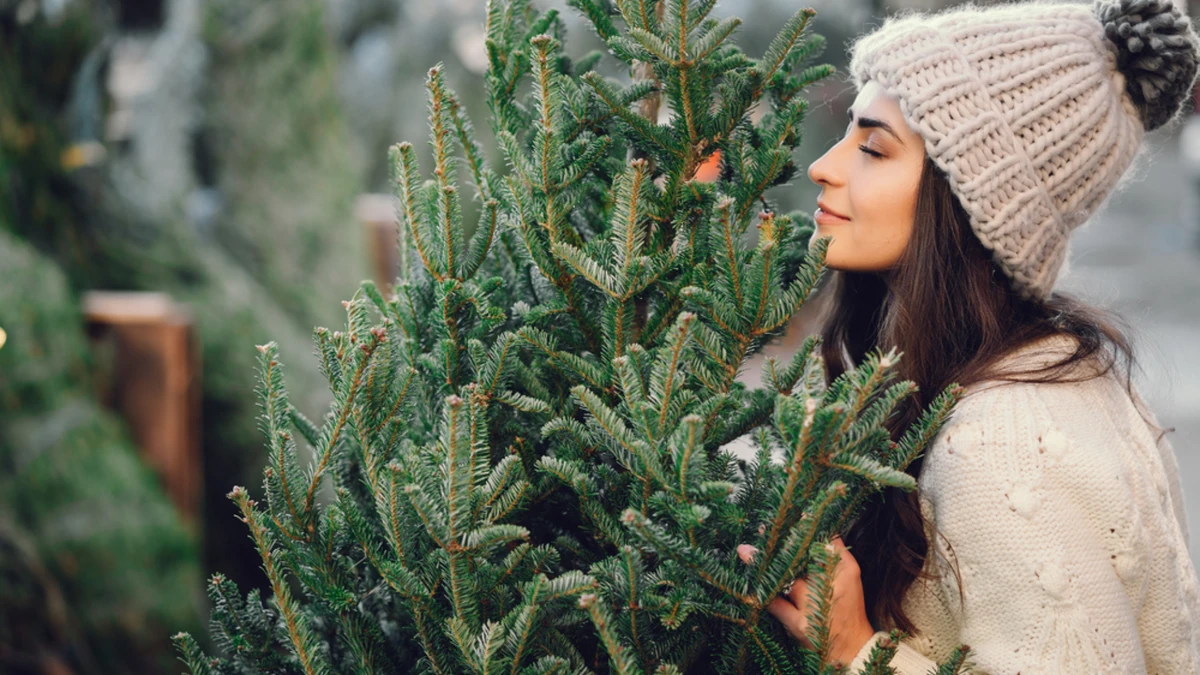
(1028, 358)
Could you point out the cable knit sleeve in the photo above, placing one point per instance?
(1071, 561)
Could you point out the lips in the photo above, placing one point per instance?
(826, 209)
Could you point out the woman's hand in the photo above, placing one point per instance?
(849, 627)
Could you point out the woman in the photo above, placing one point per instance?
(1048, 531)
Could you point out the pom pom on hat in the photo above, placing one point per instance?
(1156, 52)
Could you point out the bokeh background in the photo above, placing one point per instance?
(181, 180)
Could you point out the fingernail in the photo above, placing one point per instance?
(746, 552)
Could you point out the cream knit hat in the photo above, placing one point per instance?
(1033, 110)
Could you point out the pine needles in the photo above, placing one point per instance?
(526, 441)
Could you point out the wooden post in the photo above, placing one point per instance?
(377, 213)
(153, 381)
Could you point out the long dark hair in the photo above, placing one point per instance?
(952, 313)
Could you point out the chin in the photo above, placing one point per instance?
(832, 258)
(829, 251)
(840, 264)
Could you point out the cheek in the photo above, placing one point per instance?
(883, 201)
(884, 205)
(884, 198)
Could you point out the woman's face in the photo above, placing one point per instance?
(870, 177)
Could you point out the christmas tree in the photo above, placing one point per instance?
(526, 443)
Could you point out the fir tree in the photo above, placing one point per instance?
(526, 439)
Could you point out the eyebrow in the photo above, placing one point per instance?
(872, 123)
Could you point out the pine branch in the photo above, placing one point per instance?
(718, 577)
(957, 663)
(787, 40)
(191, 654)
(406, 176)
(448, 207)
(771, 657)
(645, 130)
(284, 483)
(713, 39)
(598, 15)
(819, 611)
(332, 430)
(919, 435)
(303, 641)
(785, 565)
(642, 14)
(622, 662)
(801, 455)
(882, 653)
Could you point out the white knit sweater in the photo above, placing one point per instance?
(1066, 521)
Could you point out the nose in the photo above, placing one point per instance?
(821, 171)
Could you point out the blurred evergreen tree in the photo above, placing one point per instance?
(271, 262)
(282, 154)
(95, 562)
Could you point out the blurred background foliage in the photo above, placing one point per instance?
(94, 561)
(139, 152)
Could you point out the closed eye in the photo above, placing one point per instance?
(869, 151)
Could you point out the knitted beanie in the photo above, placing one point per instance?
(1033, 110)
